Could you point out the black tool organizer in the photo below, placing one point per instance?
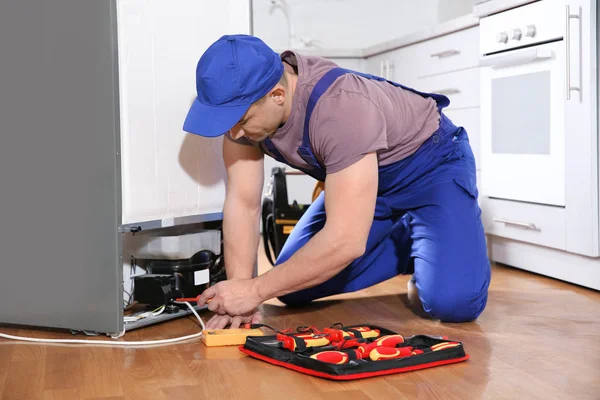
(262, 348)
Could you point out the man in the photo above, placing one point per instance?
(400, 194)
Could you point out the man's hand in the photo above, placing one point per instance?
(232, 297)
(221, 321)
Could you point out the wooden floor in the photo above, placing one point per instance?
(538, 338)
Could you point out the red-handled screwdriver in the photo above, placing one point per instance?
(337, 357)
(444, 345)
(289, 343)
(437, 347)
(366, 332)
(384, 341)
(389, 353)
(338, 334)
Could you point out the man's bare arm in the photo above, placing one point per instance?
(350, 203)
(241, 212)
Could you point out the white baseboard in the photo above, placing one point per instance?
(569, 267)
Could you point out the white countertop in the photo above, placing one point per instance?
(426, 33)
(488, 7)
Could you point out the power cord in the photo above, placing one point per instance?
(114, 343)
(148, 314)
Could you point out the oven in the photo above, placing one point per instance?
(526, 82)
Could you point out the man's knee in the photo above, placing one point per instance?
(452, 306)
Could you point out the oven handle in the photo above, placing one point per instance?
(516, 58)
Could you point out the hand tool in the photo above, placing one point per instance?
(337, 357)
(388, 353)
(362, 331)
(437, 347)
(359, 332)
(293, 342)
(444, 345)
(384, 341)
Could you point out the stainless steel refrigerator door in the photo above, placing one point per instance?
(59, 165)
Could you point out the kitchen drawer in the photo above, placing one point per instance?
(469, 119)
(461, 87)
(532, 223)
(447, 53)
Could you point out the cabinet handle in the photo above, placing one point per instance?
(527, 225)
(568, 17)
(389, 66)
(446, 53)
(384, 69)
(447, 91)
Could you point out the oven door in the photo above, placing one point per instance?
(522, 124)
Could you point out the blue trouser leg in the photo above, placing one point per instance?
(385, 242)
(427, 222)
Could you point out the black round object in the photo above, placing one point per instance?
(171, 309)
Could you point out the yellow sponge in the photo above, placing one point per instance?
(228, 337)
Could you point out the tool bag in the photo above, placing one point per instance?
(278, 216)
(367, 351)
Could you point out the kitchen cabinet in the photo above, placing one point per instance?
(94, 94)
(540, 196)
(451, 52)
(447, 64)
(539, 117)
(581, 128)
(459, 86)
(533, 223)
(396, 65)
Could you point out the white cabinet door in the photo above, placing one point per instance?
(167, 173)
(581, 128)
(396, 65)
(458, 50)
(461, 87)
(376, 65)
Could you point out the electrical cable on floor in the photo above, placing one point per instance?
(148, 314)
(115, 343)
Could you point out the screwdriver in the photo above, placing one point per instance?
(380, 353)
(337, 357)
(444, 345)
(384, 341)
(289, 343)
(389, 353)
(437, 347)
(339, 334)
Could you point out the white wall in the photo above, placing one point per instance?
(342, 23)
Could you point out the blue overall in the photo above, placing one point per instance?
(427, 222)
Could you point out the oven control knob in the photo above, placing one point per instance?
(529, 30)
(502, 37)
(516, 34)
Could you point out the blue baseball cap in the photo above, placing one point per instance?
(233, 73)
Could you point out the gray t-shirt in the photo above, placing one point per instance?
(354, 117)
